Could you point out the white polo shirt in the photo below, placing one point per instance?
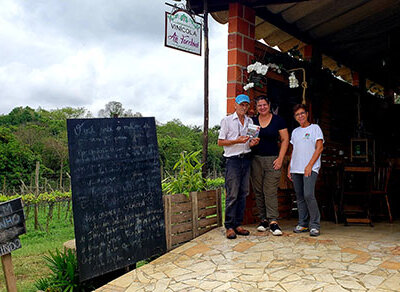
(231, 129)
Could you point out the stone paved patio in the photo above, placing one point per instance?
(354, 258)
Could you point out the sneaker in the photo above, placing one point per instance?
(263, 226)
(300, 229)
(274, 229)
(314, 232)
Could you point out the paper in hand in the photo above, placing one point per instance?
(253, 131)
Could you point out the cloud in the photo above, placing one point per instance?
(87, 53)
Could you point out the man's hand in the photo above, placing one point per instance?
(254, 142)
(242, 139)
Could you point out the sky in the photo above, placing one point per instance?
(82, 53)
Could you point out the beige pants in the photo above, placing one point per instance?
(265, 181)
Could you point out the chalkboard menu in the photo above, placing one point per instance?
(12, 224)
(116, 193)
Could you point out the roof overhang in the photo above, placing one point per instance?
(353, 35)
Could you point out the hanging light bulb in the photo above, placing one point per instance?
(293, 82)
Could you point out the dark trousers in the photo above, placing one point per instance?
(237, 174)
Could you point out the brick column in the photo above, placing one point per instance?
(240, 49)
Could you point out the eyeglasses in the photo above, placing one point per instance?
(300, 114)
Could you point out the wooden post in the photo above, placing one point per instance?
(61, 176)
(205, 125)
(167, 219)
(219, 207)
(37, 194)
(195, 214)
(8, 270)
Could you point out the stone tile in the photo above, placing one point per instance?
(207, 285)
(223, 288)
(393, 282)
(390, 265)
(303, 285)
(202, 266)
(325, 277)
(361, 268)
(243, 246)
(371, 281)
(125, 280)
(111, 288)
(161, 285)
(279, 275)
(176, 271)
(361, 259)
(350, 285)
(395, 250)
(244, 287)
(135, 287)
(200, 248)
(251, 278)
(157, 275)
(291, 278)
(142, 277)
(334, 288)
(179, 287)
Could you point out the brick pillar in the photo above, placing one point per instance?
(240, 49)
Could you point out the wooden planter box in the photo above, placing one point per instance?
(187, 218)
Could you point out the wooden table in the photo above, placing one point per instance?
(355, 202)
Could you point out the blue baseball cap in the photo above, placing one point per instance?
(242, 98)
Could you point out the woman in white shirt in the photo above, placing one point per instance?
(307, 141)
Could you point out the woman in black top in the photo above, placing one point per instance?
(266, 164)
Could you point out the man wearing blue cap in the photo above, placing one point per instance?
(233, 136)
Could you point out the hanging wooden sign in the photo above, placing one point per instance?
(12, 224)
(182, 32)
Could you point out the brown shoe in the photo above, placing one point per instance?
(241, 231)
(230, 233)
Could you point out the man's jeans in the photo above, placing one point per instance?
(307, 205)
(237, 174)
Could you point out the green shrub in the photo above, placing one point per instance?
(65, 276)
(187, 177)
(216, 183)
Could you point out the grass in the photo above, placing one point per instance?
(28, 261)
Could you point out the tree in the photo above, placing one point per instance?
(17, 161)
(55, 153)
(115, 109)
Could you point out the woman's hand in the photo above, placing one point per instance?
(289, 175)
(307, 170)
(254, 142)
(277, 164)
